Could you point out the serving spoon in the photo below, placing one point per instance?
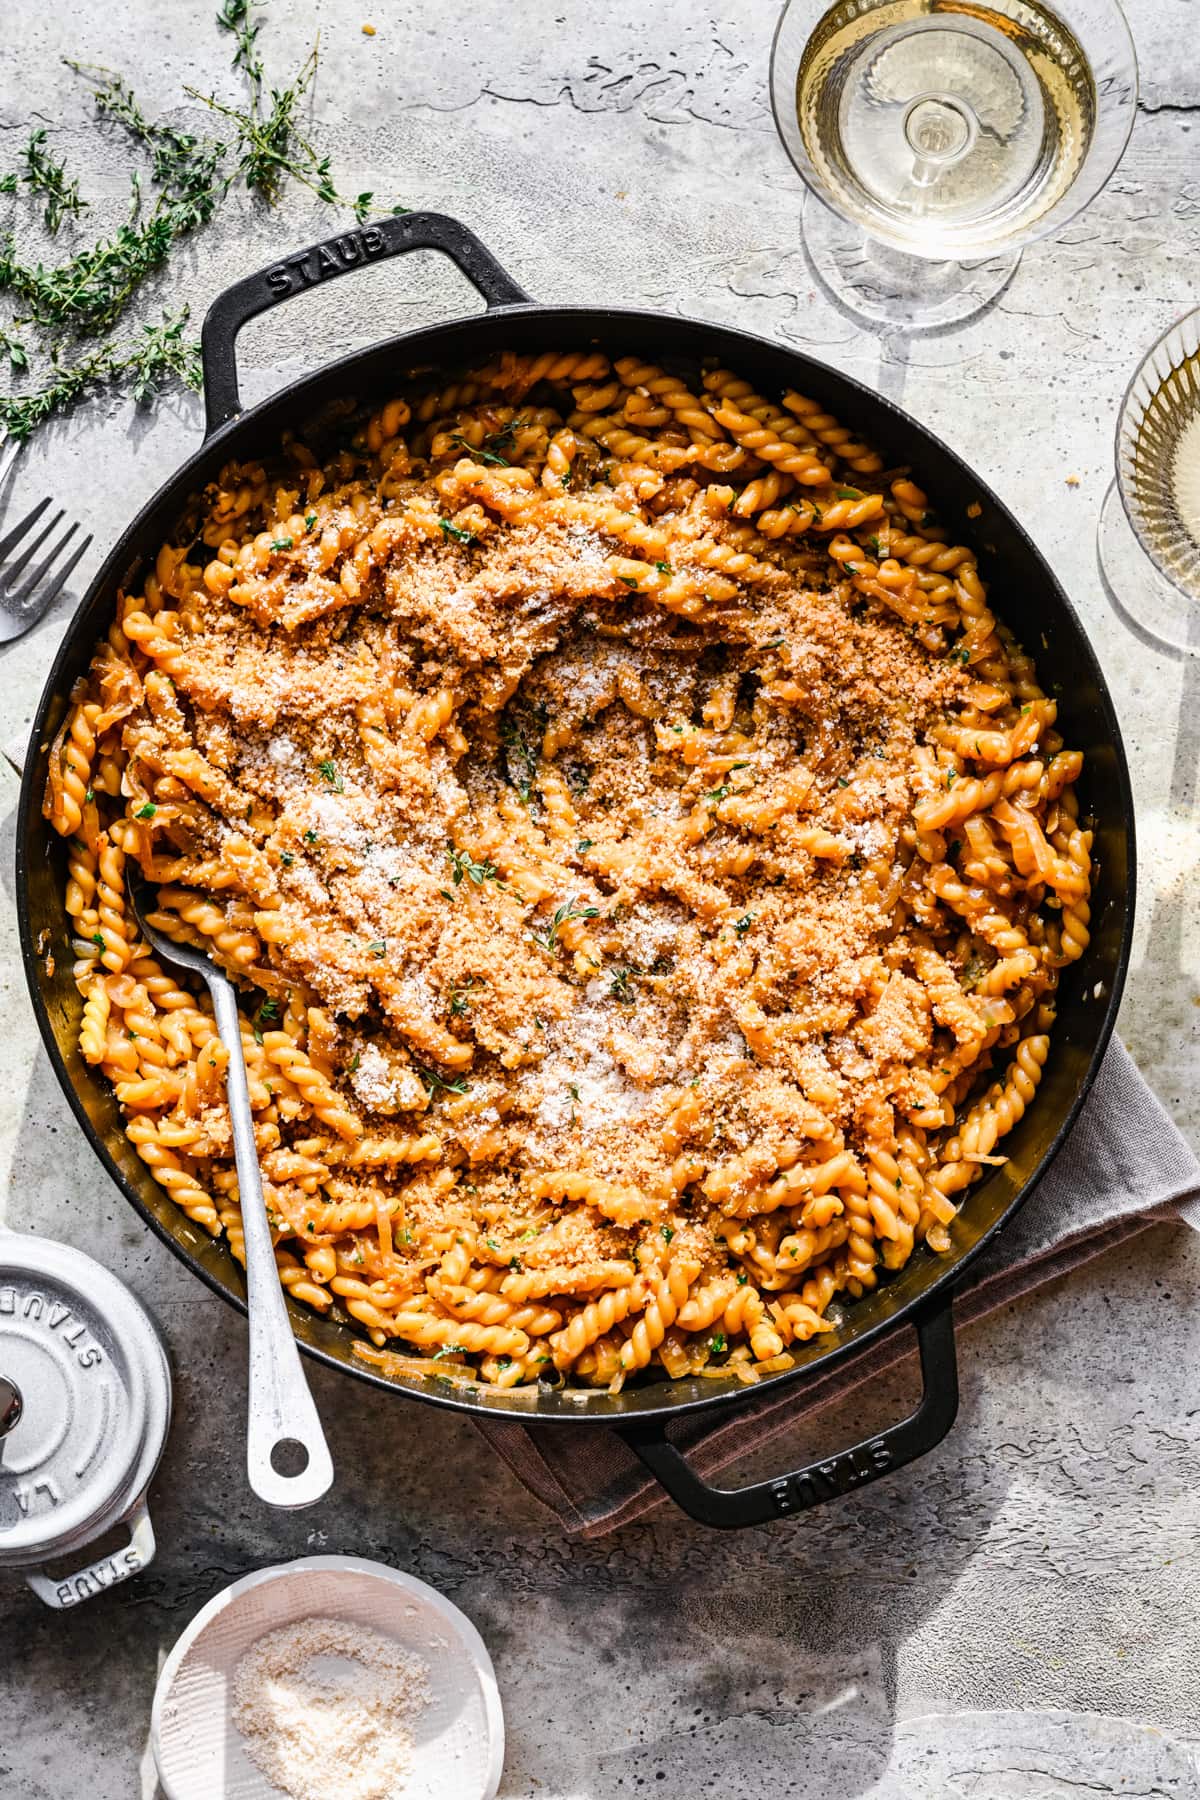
(281, 1409)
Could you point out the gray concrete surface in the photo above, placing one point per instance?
(1012, 1619)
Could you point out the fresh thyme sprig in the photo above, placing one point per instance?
(433, 1083)
(189, 170)
(14, 349)
(270, 147)
(44, 175)
(160, 354)
(563, 915)
(87, 295)
(464, 867)
(237, 17)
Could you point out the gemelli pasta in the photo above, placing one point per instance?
(645, 862)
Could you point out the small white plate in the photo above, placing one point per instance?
(459, 1737)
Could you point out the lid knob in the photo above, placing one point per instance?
(11, 1405)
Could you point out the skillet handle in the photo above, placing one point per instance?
(383, 238)
(729, 1508)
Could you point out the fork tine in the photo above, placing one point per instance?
(23, 561)
(18, 531)
(25, 591)
(48, 594)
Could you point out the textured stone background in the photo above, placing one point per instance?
(1015, 1617)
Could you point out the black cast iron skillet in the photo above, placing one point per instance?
(1025, 594)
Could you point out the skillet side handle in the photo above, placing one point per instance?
(730, 1508)
(352, 249)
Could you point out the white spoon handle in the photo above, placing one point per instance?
(281, 1409)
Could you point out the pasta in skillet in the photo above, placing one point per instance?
(645, 860)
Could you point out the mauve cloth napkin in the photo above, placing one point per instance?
(1124, 1166)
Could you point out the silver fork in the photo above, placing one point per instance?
(21, 606)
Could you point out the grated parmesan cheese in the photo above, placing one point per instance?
(326, 1709)
(373, 1080)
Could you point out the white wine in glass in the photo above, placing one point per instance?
(939, 134)
(1149, 539)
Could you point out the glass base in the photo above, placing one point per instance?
(1155, 610)
(873, 282)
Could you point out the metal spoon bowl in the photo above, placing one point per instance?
(281, 1409)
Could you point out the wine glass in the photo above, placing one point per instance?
(939, 137)
(1149, 537)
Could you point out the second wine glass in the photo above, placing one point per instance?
(939, 137)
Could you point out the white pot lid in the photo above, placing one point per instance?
(85, 1400)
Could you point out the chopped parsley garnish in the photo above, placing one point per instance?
(378, 947)
(619, 986)
(356, 1060)
(667, 1233)
(563, 915)
(449, 1350)
(630, 581)
(842, 782)
(283, 543)
(98, 938)
(583, 846)
(147, 811)
(310, 837)
(742, 925)
(286, 859)
(328, 771)
(849, 493)
(89, 796)
(310, 519)
(718, 1344)
(664, 568)
(460, 536)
